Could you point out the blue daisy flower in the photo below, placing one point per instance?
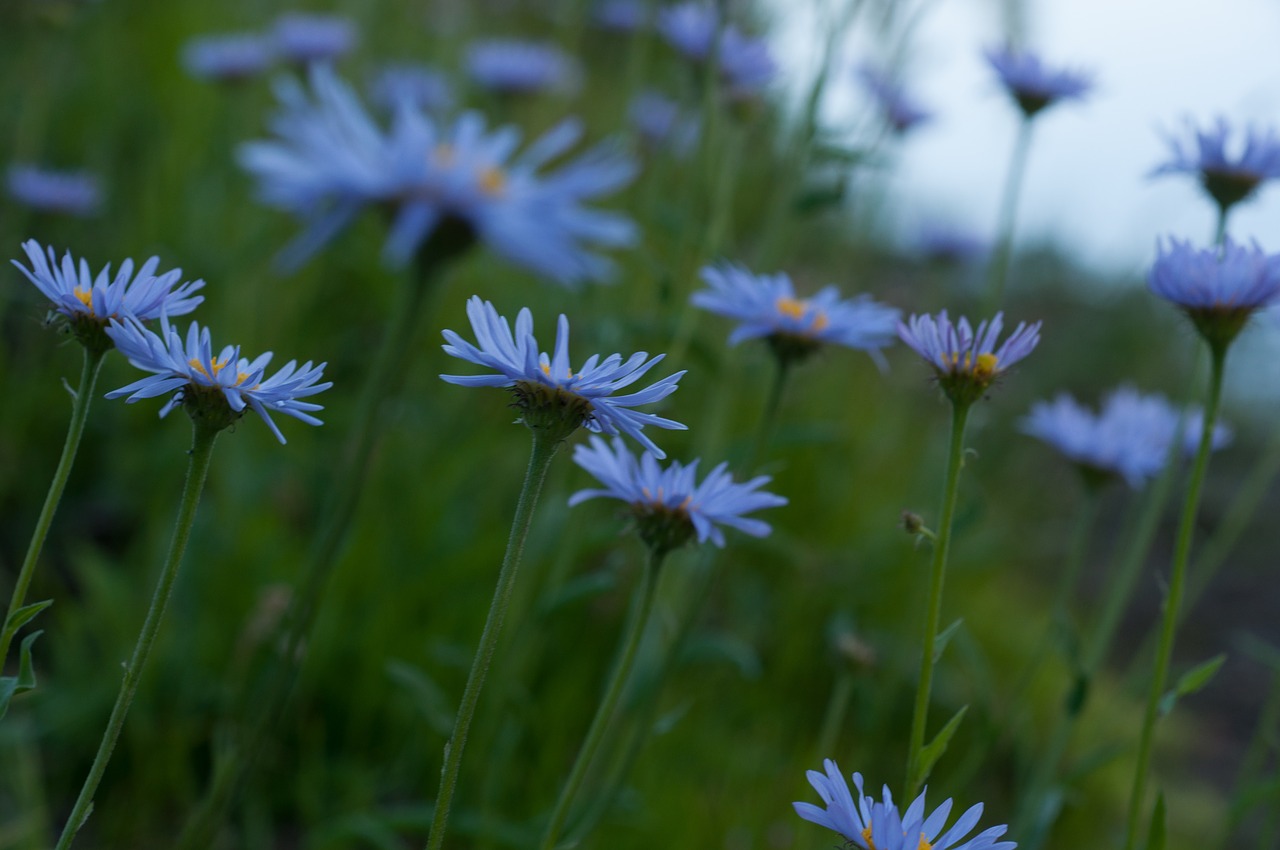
(1227, 178)
(88, 301)
(1130, 435)
(512, 66)
(877, 825)
(332, 161)
(47, 190)
(669, 505)
(900, 110)
(1219, 289)
(1032, 84)
(967, 363)
(216, 390)
(745, 64)
(549, 393)
(228, 58)
(306, 38)
(620, 15)
(767, 306)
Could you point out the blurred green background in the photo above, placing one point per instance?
(99, 86)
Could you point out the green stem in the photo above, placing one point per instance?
(544, 448)
(833, 717)
(1008, 216)
(609, 702)
(79, 414)
(335, 517)
(941, 545)
(201, 451)
(1220, 230)
(769, 417)
(1172, 605)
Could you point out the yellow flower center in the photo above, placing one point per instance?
(984, 367)
(546, 370)
(797, 309)
(217, 367)
(492, 181)
(85, 297)
(866, 836)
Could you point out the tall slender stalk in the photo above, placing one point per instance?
(937, 572)
(79, 414)
(609, 702)
(544, 449)
(1008, 216)
(1173, 602)
(335, 517)
(197, 470)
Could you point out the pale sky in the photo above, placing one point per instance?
(1156, 63)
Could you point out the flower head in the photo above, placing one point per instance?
(744, 63)
(1228, 179)
(215, 390)
(89, 302)
(900, 110)
(332, 160)
(767, 306)
(948, 245)
(669, 505)
(1032, 84)
(227, 58)
(1130, 436)
(661, 122)
(306, 38)
(877, 825)
(422, 86)
(620, 15)
(549, 393)
(46, 190)
(967, 363)
(512, 66)
(1218, 289)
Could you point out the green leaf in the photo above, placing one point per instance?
(1156, 835)
(720, 647)
(26, 678)
(579, 588)
(934, 749)
(817, 198)
(944, 638)
(23, 616)
(1191, 681)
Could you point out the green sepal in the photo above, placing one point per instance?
(1156, 834)
(944, 637)
(24, 615)
(933, 750)
(1191, 681)
(26, 678)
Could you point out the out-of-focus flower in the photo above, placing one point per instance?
(877, 825)
(306, 38)
(332, 160)
(1219, 289)
(89, 302)
(661, 123)
(1034, 85)
(1226, 178)
(745, 64)
(669, 505)
(967, 363)
(1130, 436)
(421, 86)
(215, 391)
(948, 245)
(620, 15)
(512, 66)
(767, 306)
(227, 58)
(551, 396)
(901, 111)
(46, 190)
